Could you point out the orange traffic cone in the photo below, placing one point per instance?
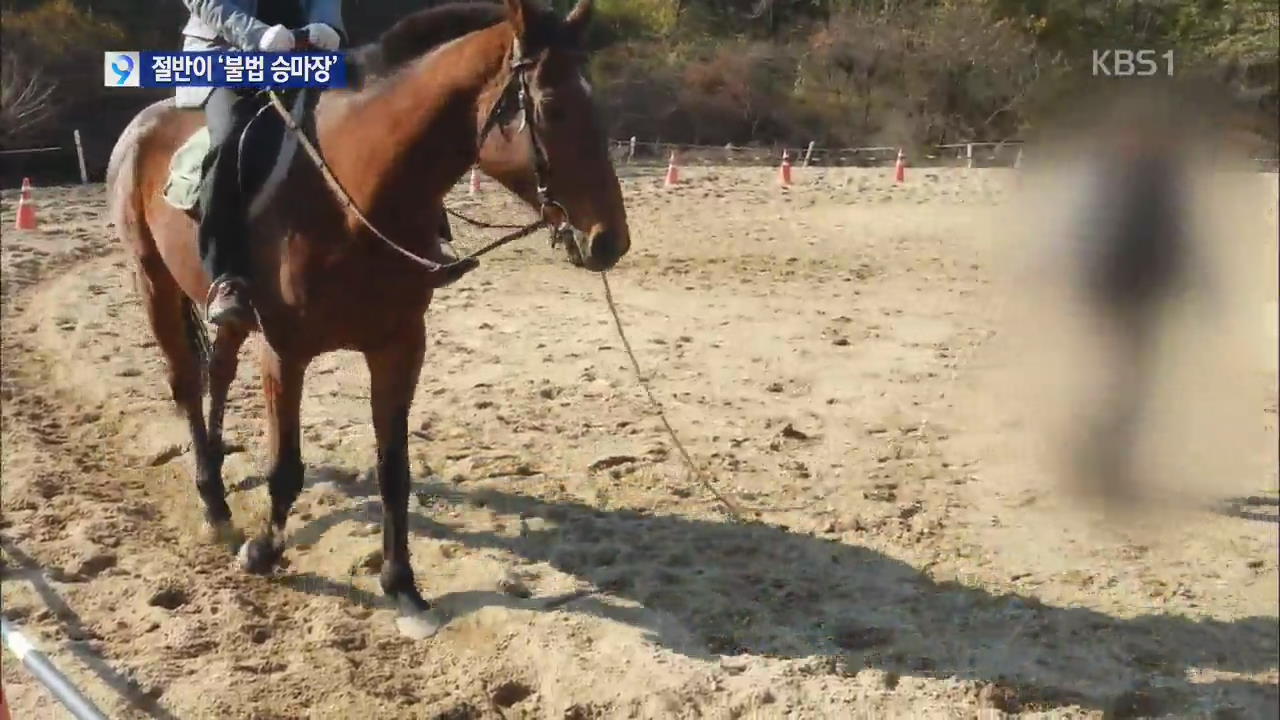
(475, 182)
(26, 208)
(784, 172)
(899, 168)
(673, 172)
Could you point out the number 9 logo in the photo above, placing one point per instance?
(122, 73)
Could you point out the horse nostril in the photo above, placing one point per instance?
(603, 245)
(606, 250)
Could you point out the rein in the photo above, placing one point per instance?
(518, 80)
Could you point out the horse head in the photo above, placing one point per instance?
(541, 138)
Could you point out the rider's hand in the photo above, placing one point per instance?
(277, 38)
(323, 36)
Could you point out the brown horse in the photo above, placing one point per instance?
(323, 281)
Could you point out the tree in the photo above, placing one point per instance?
(25, 99)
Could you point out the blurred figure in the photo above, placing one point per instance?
(1138, 337)
(1137, 257)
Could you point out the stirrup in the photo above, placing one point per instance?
(213, 290)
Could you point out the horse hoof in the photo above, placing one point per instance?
(260, 555)
(419, 624)
(224, 534)
(417, 619)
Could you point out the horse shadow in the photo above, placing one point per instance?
(73, 626)
(710, 589)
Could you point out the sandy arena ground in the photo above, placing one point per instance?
(830, 354)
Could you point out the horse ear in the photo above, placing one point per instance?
(516, 16)
(579, 17)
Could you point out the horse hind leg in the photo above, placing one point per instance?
(180, 334)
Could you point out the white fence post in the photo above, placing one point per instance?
(808, 153)
(84, 173)
(968, 151)
(631, 153)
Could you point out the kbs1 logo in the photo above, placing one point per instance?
(1131, 63)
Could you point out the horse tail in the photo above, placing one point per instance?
(197, 338)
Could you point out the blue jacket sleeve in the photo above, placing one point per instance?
(234, 25)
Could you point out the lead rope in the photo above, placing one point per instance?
(730, 507)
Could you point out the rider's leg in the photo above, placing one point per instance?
(223, 240)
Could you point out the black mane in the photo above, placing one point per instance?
(415, 35)
(418, 33)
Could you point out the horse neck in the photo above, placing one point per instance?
(405, 143)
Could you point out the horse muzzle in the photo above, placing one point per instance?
(602, 248)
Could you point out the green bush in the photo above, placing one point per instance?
(899, 72)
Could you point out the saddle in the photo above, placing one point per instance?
(260, 176)
(186, 172)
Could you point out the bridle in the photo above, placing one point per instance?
(522, 67)
(518, 85)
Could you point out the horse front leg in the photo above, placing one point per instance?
(393, 373)
(282, 388)
(222, 372)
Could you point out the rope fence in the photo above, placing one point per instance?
(976, 154)
(632, 151)
(972, 154)
(79, 148)
(31, 151)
